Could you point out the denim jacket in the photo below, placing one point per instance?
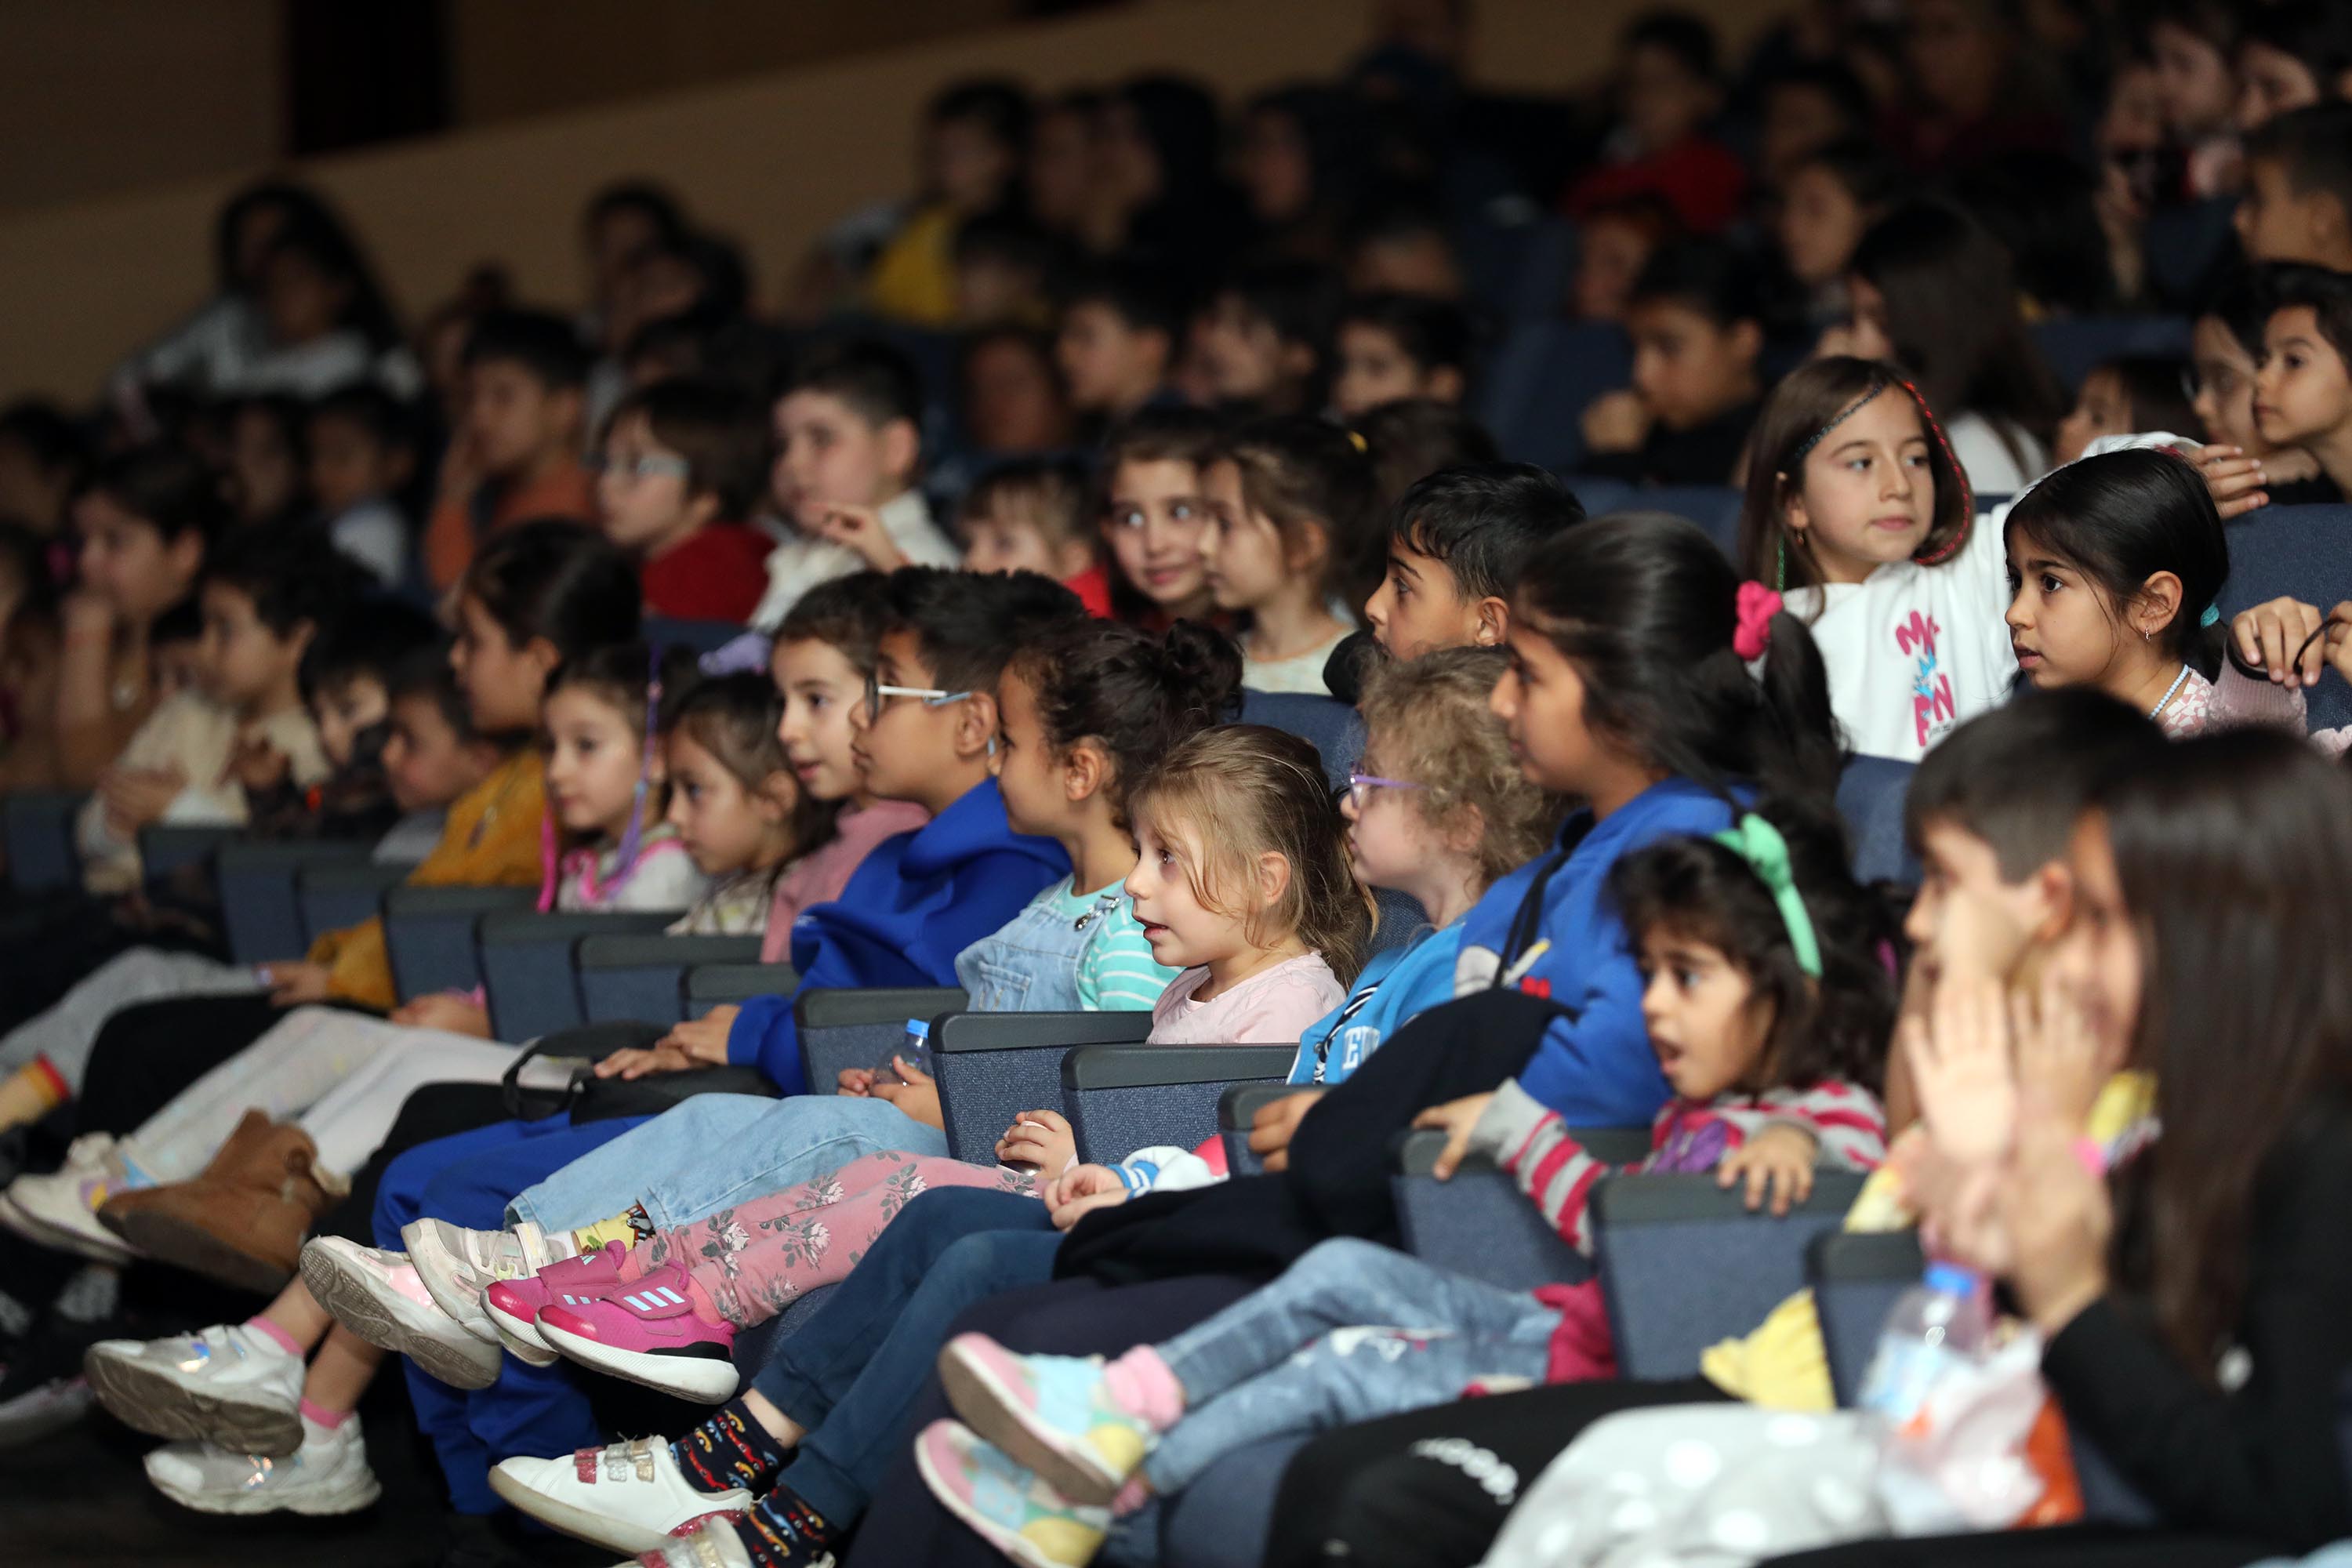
(1031, 963)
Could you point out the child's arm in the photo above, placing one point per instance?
(1533, 1144)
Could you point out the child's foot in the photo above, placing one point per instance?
(512, 1307)
(60, 1209)
(631, 1497)
(377, 1295)
(457, 1265)
(1013, 1509)
(649, 1333)
(229, 1386)
(326, 1474)
(1052, 1413)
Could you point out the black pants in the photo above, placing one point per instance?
(2077, 1546)
(148, 1055)
(1375, 1495)
(46, 952)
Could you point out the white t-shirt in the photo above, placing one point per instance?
(1301, 672)
(803, 560)
(1914, 651)
(1993, 468)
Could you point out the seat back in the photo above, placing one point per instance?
(1237, 1107)
(994, 1066)
(529, 969)
(1537, 381)
(260, 903)
(335, 895)
(1325, 722)
(2076, 345)
(429, 932)
(709, 985)
(1477, 1222)
(839, 1029)
(39, 828)
(1401, 919)
(2305, 551)
(1715, 508)
(626, 978)
(1598, 496)
(702, 636)
(1856, 1277)
(1684, 1264)
(1120, 1098)
(166, 847)
(1870, 799)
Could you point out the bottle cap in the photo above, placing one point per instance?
(918, 1028)
(1953, 1280)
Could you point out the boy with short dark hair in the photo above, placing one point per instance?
(2302, 383)
(362, 452)
(2296, 204)
(1456, 547)
(682, 465)
(1395, 346)
(1121, 325)
(517, 454)
(1263, 339)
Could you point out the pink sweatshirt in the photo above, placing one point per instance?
(821, 873)
(1273, 1007)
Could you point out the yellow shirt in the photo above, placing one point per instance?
(914, 278)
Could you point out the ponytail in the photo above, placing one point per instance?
(1137, 695)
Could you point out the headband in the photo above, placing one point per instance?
(1760, 844)
(1879, 384)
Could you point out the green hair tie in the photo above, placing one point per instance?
(1760, 844)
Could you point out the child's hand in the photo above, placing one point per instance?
(2059, 1219)
(290, 985)
(1276, 1123)
(2059, 1074)
(256, 764)
(858, 1082)
(1779, 1160)
(1457, 1116)
(133, 797)
(703, 1040)
(2338, 641)
(1041, 1138)
(1617, 422)
(447, 1011)
(914, 1093)
(860, 527)
(2235, 480)
(1960, 1060)
(634, 1063)
(2268, 636)
(1080, 1191)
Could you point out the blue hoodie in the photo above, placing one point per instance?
(916, 901)
(1394, 986)
(1598, 1071)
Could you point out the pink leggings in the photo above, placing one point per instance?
(756, 1259)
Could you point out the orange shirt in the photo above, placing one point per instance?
(450, 538)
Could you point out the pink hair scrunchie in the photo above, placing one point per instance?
(1753, 633)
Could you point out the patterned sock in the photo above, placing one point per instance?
(261, 1324)
(782, 1532)
(590, 1238)
(1143, 1386)
(331, 1419)
(730, 1450)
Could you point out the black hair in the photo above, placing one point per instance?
(623, 674)
(2121, 517)
(367, 641)
(1835, 1029)
(2155, 390)
(878, 383)
(1145, 297)
(2315, 33)
(1299, 300)
(1434, 333)
(643, 197)
(543, 343)
(184, 621)
(1690, 38)
(2044, 212)
(1398, 215)
(1137, 695)
(2313, 145)
(332, 252)
(2242, 302)
(1308, 472)
(167, 487)
(1483, 520)
(1413, 438)
(298, 206)
(386, 420)
(1711, 277)
(1011, 236)
(998, 104)
(1341, 147)
(1644, 605)
(293, 576)
(550, 577)
(2327, 294)
(42, 428)
(1872, 176)
(2018, 776)
(1835, 81)
(846, 613)
(720, 431)
(969, 627)
(722, 279)
(1171, 433)
(426, 672)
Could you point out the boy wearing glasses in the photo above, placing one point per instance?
(682, 464)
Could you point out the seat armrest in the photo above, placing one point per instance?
(430, 933)
(844, 1028)
(994, 1066)
(1120, 1098)
(1476, 1222)
(260, 892)
(1415, 1151)
(335, 894)
(1237, 1110)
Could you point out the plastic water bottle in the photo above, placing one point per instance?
(1945, 1319)
(915, 1051)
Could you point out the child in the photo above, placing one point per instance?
(1291, 507)
(2289, 57)
(1262, 337)
(1154, 515)
(1403, 245)
(1011, 397)
(2244, 470)
(516, 456)
(1768, 1004)
(1614, 242)
(1416, 437)
(1458, 543)
(849, 445)
(1858, 509)
(2122, 397)
(2303, 392)
(2296, 204)
(1029, 515)
(1667, 93)
(363, 455)
(975, 135)
(265, 467)
(681, 467)
(1833, 194)
(1696, 319)
(607, 784)
(1392, 346)
(42, 456)
(2192, 42)
(739, 814)
(1117, 342)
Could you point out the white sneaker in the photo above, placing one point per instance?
(631, 1496)
(60, 1209)
(326, 1474)
(227, 1386)
(457, 1265)
(378, 1296)
(715, 1546)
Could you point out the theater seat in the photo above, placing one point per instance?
(334, 895)
(701, 637)
(40, 827)
(642, 978)
(994, 1066)
(1539, 381)
(1120, 1098)
(1715, 508)
(430, 934)
(260, 897)
(529, 969)
(2304, 552)
(841, 1029)
(1870, 797)
(1478, 1222)
(1327, 724)
(2076, 345)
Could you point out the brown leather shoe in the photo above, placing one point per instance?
(243, 1220)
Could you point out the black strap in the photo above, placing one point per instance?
(1528, 918)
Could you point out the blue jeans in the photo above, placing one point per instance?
(1353, 1331)
(715, 1151)
(852, 1372)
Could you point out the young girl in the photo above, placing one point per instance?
(1029, 515)
(1154, 514)
(1696, 317)
(1395, 346)
(739, 812)
(1857, 509)
(1768, 1002)
(2122, 398)
(1293, 522)
(1832, 197)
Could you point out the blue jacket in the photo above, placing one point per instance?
(1394, 986)
(1598, 1071)
(916, 901)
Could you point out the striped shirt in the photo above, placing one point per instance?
(1534, 1145)
(1116, 973)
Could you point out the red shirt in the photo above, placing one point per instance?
(1093, 588)
(715, 574)
(1702, 181)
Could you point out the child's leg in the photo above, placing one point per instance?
(300, 1059)
(349, 1118)
(298, 1319)
(338, 1375)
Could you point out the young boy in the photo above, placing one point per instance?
(516, 456)
(1668, 92)
(975, 135)
(1118, 343)
(682, 466)
(2302, 389)
(1392, 346)
(1456, 550)
(346, 684)
(1029, 515)
(362, 452)
(849, 445)
(432, 754)
(1262, 339)
(2297, 201)
(1696, 316)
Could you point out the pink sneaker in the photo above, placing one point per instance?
(514, 1305)
(647, 1333)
